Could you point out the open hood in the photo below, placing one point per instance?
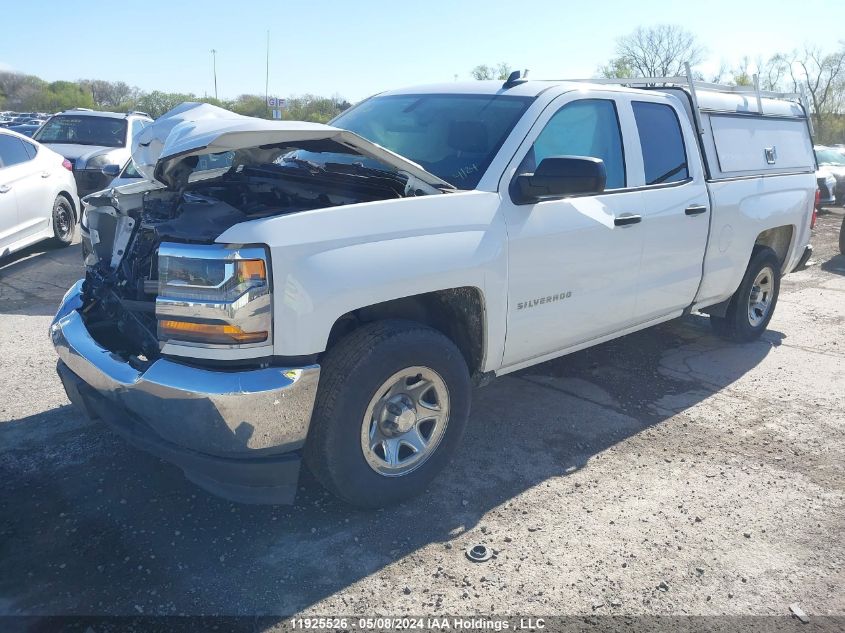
(192, 129)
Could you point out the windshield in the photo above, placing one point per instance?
(84, 130)
(830, 157)
(455, 137)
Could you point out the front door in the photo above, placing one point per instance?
(573, 263)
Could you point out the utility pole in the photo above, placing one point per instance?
(267, 72)
(214, 66)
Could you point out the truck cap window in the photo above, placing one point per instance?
(588, 127)
(664, 156)
(453, 136)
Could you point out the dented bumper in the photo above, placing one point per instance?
(235, 433)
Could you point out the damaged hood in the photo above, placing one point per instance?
(193, 129)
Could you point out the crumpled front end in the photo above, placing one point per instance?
(237, 434)
(170, 337)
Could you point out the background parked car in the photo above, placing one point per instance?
(827, 186)
(38, 197)
(27, 129)
(91, 140)
(832, 160)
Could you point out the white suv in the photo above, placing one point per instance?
(91, 140)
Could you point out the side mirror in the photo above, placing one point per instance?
(558, 177)
(111, 171)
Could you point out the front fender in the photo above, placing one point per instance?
(329, 262)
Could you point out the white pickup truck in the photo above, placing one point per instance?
(278, 291)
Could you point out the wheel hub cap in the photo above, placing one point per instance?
(399, 416)
(760, 298)
(405, 421)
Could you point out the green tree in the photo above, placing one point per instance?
(250, 105)
(156, 103)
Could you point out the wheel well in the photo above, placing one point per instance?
(69, 198)
(778, 239)
(457, 312)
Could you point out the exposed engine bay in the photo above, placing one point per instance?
(122, 230)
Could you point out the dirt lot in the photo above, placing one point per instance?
(666, 472)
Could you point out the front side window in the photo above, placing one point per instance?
(664, 156)
(588, 127)
(83, 130)
(453, 136)
(12, 151)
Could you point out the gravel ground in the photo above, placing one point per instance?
(667, 472)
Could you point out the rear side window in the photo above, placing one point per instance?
(664, 156)
(12, 151)
(588, 127)
(31, 150)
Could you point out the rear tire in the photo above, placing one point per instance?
(64, 221)
(380, 433)
(753, 304)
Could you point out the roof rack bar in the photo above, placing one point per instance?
(696, 113)
(805, 103)
(687, 81)
(757, 92)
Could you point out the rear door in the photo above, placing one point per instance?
(36, 189)
(676, 207)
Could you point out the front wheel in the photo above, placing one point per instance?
(64, 221)
(392, 405)
(753, 304)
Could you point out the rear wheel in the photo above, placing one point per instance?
(391, 408)
(752, 305)
(64, 221)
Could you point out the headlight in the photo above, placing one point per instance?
(214, 295)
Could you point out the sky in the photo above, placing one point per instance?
(361, 47)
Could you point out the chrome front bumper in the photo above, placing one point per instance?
(222, 417)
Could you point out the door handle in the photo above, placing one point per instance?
(5, 188)
(696, 209)
(627, 220)
(45, 174)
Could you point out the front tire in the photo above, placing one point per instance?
(392, 406)
(753, 304)
(64, 221)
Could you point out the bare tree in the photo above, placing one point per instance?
(656, 51)
(110, 94)
(823, 75)
(499, 71)
(772, 71)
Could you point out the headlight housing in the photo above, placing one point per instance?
(214, 295)
(99, 161)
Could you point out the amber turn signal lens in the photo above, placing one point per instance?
(205, 333)
(249, 269)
